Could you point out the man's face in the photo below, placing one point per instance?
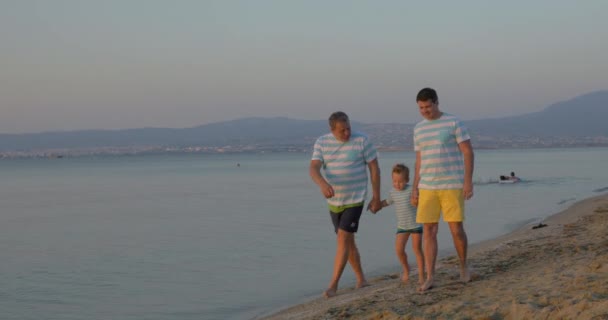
(429, 110)
(341, 131)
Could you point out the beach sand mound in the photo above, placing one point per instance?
(556, 272)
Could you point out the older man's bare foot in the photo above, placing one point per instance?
(427, 285)
(328, 293)
(362, 284)
(465, 275)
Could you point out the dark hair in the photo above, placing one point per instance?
(400, 168)
(337, 116)
(427, 94)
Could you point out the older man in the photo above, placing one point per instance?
(344, 156)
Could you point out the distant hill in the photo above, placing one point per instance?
(236, 132)
(583, 116)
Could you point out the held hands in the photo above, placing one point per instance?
(414, 198)
(374, 205)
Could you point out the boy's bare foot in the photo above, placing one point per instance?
(362, 284)
(427, 285)
(405, 277)
(465, 275)
(328, 293)
(420, 280)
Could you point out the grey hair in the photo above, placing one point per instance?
(337, 116)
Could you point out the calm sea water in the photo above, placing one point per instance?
(196, 237)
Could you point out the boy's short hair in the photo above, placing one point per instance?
(402, 169)
(337, 116)
(427, 94)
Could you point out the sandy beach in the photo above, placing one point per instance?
(555, 272)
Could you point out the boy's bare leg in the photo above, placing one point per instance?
(400, 243)
(461, 244)
(343, 241)
(355, 262)
(429, 234)
(417, 248)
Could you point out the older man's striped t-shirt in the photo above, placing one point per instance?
(345, 166)
(441, 162)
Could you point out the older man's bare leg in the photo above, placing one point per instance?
(355, 262)
(344, 242)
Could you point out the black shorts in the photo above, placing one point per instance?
(347, 220)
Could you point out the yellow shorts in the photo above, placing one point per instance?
(432, 202)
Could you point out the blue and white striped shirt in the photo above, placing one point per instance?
(345, 165)
(406, 213)
(441, 162)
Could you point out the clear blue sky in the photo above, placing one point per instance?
(109, 64)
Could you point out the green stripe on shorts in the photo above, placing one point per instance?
(340, 209)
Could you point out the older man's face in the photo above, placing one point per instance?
(341, 131)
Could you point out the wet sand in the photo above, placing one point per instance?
(555, 272)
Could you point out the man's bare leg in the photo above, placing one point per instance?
(417, 248)
(430, 253)
(355, 262)
(461, 244)
(400, 242)
(343, 241)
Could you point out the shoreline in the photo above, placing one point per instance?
(557, 271)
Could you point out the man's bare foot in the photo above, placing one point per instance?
(362, 284)
(328, 293)
(405, 277)
(420, 280)
(465, 275)
(427, 285)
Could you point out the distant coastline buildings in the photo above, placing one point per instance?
(388, 138)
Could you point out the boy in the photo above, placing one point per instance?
(406, 221)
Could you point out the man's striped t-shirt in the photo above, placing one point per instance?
(441, 162)
(345, 166)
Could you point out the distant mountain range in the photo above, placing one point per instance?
(583, 117)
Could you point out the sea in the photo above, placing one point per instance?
(226, 236)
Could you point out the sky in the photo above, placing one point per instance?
(116, 64)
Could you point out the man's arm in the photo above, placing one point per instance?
(414, 198)
(469, 163)
(374, 172)
(315, 174)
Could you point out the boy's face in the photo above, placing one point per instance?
(399, 181)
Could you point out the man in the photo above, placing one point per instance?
(443, 179)
(344, 157)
